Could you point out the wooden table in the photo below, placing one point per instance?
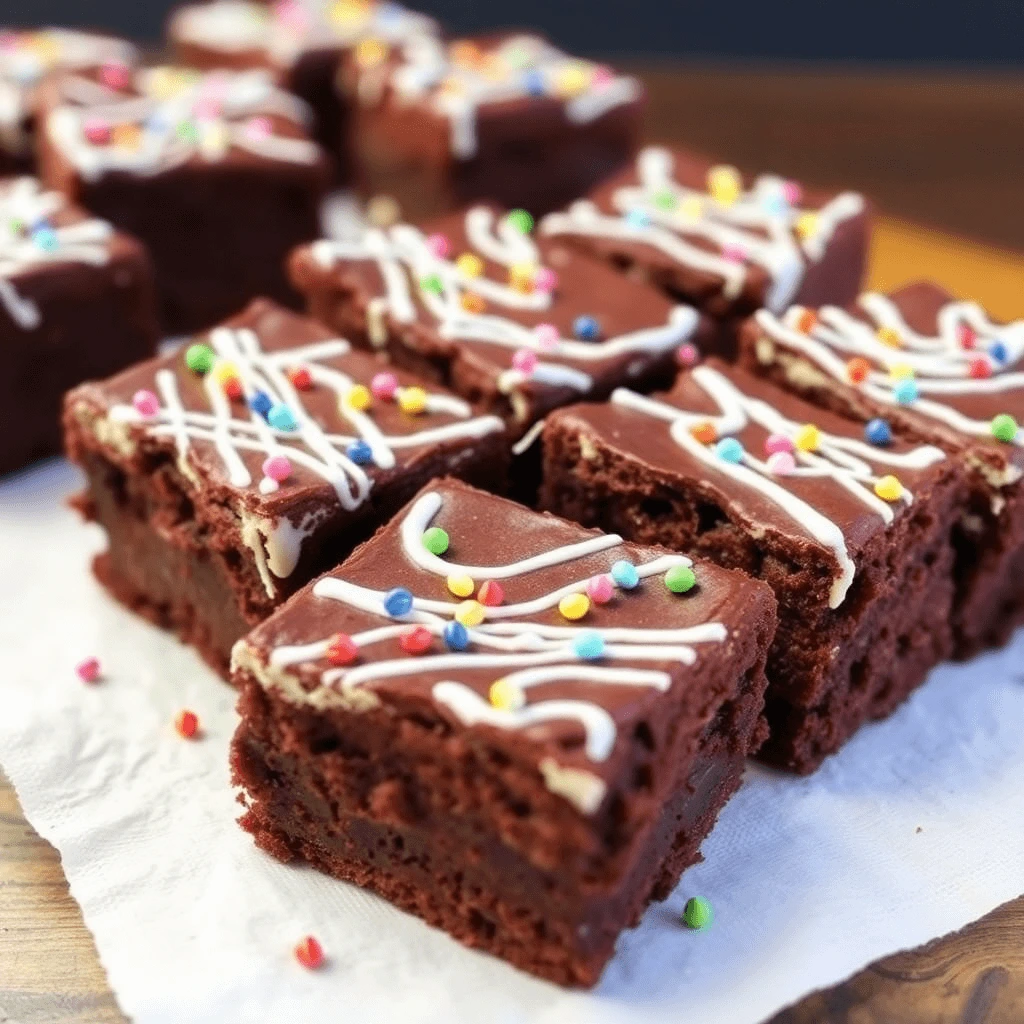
(968, 139)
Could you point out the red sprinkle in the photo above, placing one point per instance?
(858, 369)
(187, 724)
(233, 389)
(342, 650)
(88, 670)
(968, 336)
(417, 640)
(490, 594)
(310, 953)
(300, 378)
(980, 369)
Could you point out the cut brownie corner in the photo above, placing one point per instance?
(528, 781)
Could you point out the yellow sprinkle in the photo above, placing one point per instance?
(889, 336)
(574, 606)
(807, 438)
(725, 184)
(806, 225)
(888, 488)
(412, 400)
(470, 613)
(162, 83)
(461, 586)
(347, 11)
(506, 696)
(691, 208)
(223, 371)
(472, 303)
(470, 265)
(47, 48)
(520, 276)
(370, 52)
(574, 80)
(359, 397)
(901, 371)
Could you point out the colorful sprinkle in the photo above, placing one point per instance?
(589, 646)
(383, 386)
(665, 199)
(88, 670)
(687, 355)
(729, 450)
(889, 336)
(521, 221)
(341, 650)
(792, 192)
(258, 128)
(97, 131)
(469, 265)
(358, 397)
(233, 389)
(857, 370)
(439, 246)
(548, 336)
(461, 586)
(470, 613)
(370, 52)
(807, 225)
(979, 369)
(901, 371)
(309, 953)
(412, 400)
(806, 321)
(600, 589)
(490, 593)
(638, 219)
(432, 283)
(416, 640)
(781, 463)
(300, 378)
(472, 303)
(281, 417)
(1004, 428)
(967, 336)
(456, 636)
(680, 579)
(277, 467)
(697, 914)
(506, 696)
(997, 351)
(725, 185)
(145, 402)
(878, 432)
(888, 488)
(436, 540)
(545, 280)
(905, 391)
(397, 602)
(187, 724)
(732, 253)
(807, 438)
(200, 358)
(778, 443)
(625, 574)
(586, 328)
(359, 452)
(525, 361)
(260, 403)
(115, 75)
(704, 432)
(574, 606)
(520, 277)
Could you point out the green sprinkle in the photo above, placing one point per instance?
(432, 283)
(697, 914)
(188, 131)
(521, 221)
(1004, 427)
(199, 358)
(435, 540)
(665, 200)
(680, 578)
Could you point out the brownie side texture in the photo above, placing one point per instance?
(841, 657)
(513, 831)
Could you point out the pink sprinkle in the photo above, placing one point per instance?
(258, 128)
(384, 386)
(8, 41)
(545, 280)
(439, 246)
(277, 468)
(968, 336)
(206, 109)
(145, 402)
(734, 253)
(776, 443)
(792, 192)
(600, 589)
(781, 463)
(687, 355)
(97, 131)
(89, 670)
(548, 336)
(524, 361)
(115, 75)
(603, 76)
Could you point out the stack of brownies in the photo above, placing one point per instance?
(765, 506)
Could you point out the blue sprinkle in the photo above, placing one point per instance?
(359, 452)
(586, 328)
(997, 350)
(533, 83)
(729, 450)
(638, 219)
(398, 602)
(281, 417)
(878, 432)
(45, 238)
(905, 391)
(589, 645)
(260, 403)
(775, 204)
(456, 636)
(625, 575)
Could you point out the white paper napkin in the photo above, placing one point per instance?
(914, 830)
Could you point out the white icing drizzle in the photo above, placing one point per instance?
(519, 67)
(760, 224)
(309, 446)
(847, 461)
(217, 110)
(29, 240)
(404, 259)
(529, 654)
(940, 363)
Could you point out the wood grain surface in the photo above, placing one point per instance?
(945, 151)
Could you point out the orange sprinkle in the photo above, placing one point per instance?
(310, 953)
(857, 370)
(472, 303)
(705, 433)
(806, 321)
(187, 724)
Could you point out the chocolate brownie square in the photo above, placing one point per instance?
(506, 117)
(229, 473)
(516, 321)
(215, 172)
(301, 44)
(516, 728)
(853, 537)
(26, 58)
(938, 370)
(76, 301)
(727, 244)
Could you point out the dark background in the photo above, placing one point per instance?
(918, 31)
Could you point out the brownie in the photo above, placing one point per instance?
(77, 300)
(526, 769)
(26, 58)
(231, 472)
(519, 322)
(506, 117)
(302, 44)
(942, 372)
(724, 243)
(854, 538)
(215, 172)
